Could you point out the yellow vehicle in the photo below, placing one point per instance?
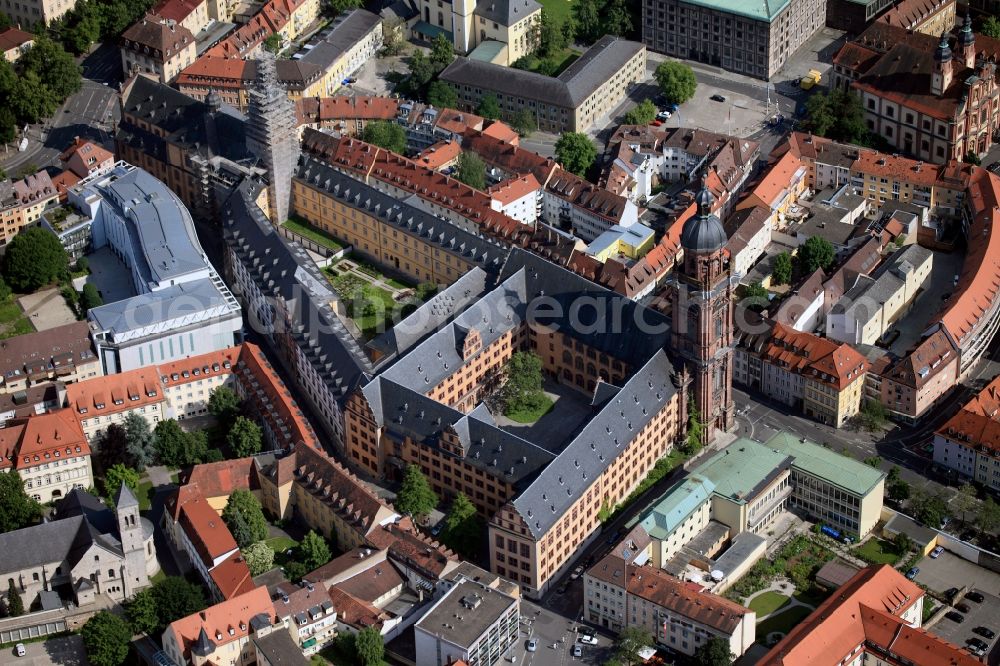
(810, 79)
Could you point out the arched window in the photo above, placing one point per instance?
(567, 357)
(579, 363)
(427, 14)
(591, 370)
(441, 19)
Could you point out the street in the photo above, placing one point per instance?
(91, 112)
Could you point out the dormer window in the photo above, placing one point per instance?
(100, 405)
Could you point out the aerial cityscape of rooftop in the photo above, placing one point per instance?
(469, 332)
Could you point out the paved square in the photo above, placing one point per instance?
(950, 571)
(109, 274)
(46, 309)
(64, 651)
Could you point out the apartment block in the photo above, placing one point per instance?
(27, 14)
(968, 442)
(49, 453)
(223, 633)
(752, 39)
(157, 47)
(64, 353)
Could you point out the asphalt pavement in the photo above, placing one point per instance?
(64, 651)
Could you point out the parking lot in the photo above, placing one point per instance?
(549, 629)
(950, 571)
(64, 651)
(982, 614)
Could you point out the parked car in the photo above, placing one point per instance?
(19, 649)
(562, 589)
(985, 632)
(978, 643)
(663, 115)
(955, 617)
(936, 553)
(962, 608)
(718, 98)
(588, 640)
(912, 573)
(972, 595)
(532, 645)
(577, 650)
(576, 573)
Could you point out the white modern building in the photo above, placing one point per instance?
(181, 306)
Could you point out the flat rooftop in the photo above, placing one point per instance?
(743, 469)
(466, 612)
(760, 10)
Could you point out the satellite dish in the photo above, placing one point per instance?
(717, 575)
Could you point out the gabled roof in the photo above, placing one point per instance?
(506, 12)
(224, 622)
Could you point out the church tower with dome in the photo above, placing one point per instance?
(702, 316)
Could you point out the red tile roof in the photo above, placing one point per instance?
(176, 10)
(277, 406)
(41, 440)
(152, 34)
(512, 189)
(817, 358)
(232, 577)
(224, 622)
(204, 527)
(977, 423)
(342, 108)
(865, 612)
(114, 393)
(220, 479)
(439, 155)
(354, 612)
(11, 38)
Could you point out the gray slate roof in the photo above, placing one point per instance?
(578, 82)
(125, 498)
(57, 541)
(345, 33)
(506, 12)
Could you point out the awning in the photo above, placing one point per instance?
(430, 31)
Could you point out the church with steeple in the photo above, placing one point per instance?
(701, 291)
(500, 31)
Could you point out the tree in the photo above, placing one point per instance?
(442, 52)
(589, 23)
(902, 542)
(990, 27)
(489, 107)
(873, 415)
(106, 639)
(176, 448)
(421, 71)
(816, 252)
(523, 122)
(471, 170)
(4, 21)
(463, 527)
(245, 518)
(223, 403)
(714, 652)
(988, 516)
(575, 152)
(755, 296)
(837, 115)
(34, 258)
(386, 134)
(341, 6)
(111, 448)
(142, 612)
(606, 511)
(552, 35)
(273, 42)
(56, 69)
(369, 646)
(641, 114)
(138, 441)
(415, 496)
(873, 461)
(628, 644)
(618, 18)
(676, 80)
(929, 508)
(895, 487)
(259, 557)
(90, 298)
(17, 510)
(442, 95)
(15, 606)
(972, 158)
(314, 551)
(244, 437)
(116, 476)
(177, 597)
(695, 433)
(522, 387)
(965, 500)
(393, 42)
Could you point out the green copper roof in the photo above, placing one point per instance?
(759, 10)
(825, 464)
(675, 506)
(743, 468)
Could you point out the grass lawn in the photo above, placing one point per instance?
(768, 602)
(561, 9)
(12, 320)
(369, 306)
(158, 577)
(175, 477)
(814, 596)
(317, 236)
(145, 495)
(531, 415)
(879, 551)
(783, 622)
(279, 545)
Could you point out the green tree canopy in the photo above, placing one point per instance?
(244, 437)
(106, 639)
(523, 122)
(714, 652)
(341, 6)
(56, 69)
(781, 269)
(965, 500)
(695, 432)
(463, 527)
(489, 107)
(471, 170)
(223, 403)
(176, 448)
(111, 447)
(177, 597)
(90, 298)
(142, 613)
(990, 27)
(138, 441)
(755, 296)
(988, 516)
(816, 252)
(34, 258)
(415, 496)
(522, 388)
(553, 35)
(630, 640)
(369, 646)
(386, 134)
(15, 606)
(245, 518)
(837, 115)
(259, 557)
(442, 95)
(642, 113)
(17, 510)
(676, 80)
(116, 476)
(314, 550)
(442, 52)
(929, 508)
(588, 20)
(273, 42)
(575, 152)
(972, 158)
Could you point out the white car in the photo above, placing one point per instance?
(588, 639)
(532, 645)
(663, 115)
(19, 649)
(936, 553)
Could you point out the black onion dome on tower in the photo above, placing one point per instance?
(967, 37)
(943, 52)
(703, 232)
